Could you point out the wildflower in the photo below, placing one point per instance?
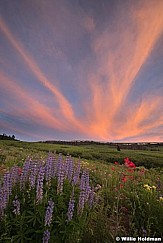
(116, 163)
(147, 187)
(46, 236)
(85, 190)
(49, 213)
(129, 163)
(71, 207)
(15, 174)
(82, 180)
(54, 166)
(5, 192)
(39, 189)
(33, 174)
(76, 174)
(67, 161)
(70, 169)
(81, 201)
(91, 198)
(48, 169)
(7, 184)
(25, 172)
(161, 198)
(87, 186)
(130, 170)
(61, 175)
(16, 204)
(124, 179)
(154, 187)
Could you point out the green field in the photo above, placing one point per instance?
(16, 151)
(128, 203)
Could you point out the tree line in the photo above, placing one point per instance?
(7, 137)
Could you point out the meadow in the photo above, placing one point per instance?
(103, 195)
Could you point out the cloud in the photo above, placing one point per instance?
(98, 64)
(89, 23)
(31, 108)
(120, 57)
(65, 106)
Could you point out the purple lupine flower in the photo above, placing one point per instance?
(76, 174)
(59, 165)
(40, 180)
(91, 198)
(33, 173)
(16, 204)
(82, 180)
(70, 169)
(7, 183)
(48, 169)
(15, 175)
(87, 186)
(71, 207)
(46, 236)
(25, 172)
(61, 175)
(49, 213)
(67, 161)
(5, 192)
(85, 190)
(3, 201)
(54, 166)
(81, 202)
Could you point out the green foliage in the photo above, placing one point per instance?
(123, 207)
(16, 151)
(29, 226)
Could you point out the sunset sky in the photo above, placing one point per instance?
(82, 69)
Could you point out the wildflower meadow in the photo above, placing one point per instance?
(57, 198)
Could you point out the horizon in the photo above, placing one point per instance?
(79, 140)
(82, 70)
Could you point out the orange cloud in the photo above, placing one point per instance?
(121, 56)
(65, 106)
(32, 109)
(121, 51)
(143, 113)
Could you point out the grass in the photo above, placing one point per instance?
(16, 151)
(129, 202)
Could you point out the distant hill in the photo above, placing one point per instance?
(133, 146)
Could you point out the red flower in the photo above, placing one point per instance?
(130, 170)
(113, 168)
(124, 179)
(129, 163)
(116, 163)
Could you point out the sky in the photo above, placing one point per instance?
(82, 70)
